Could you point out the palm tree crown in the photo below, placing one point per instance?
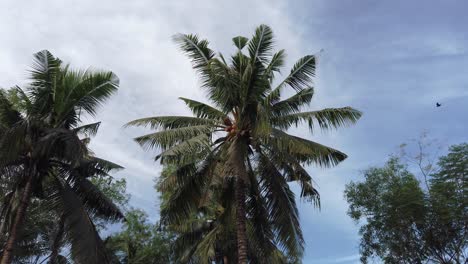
(236, 150)
(44, 153)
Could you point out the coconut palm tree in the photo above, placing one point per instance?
(44, 152)
(247, 156)
(194, 244)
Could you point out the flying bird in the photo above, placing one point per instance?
(438, 104)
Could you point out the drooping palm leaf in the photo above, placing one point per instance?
(282, 206)
(86, 245)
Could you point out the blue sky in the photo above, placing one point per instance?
(393, 60)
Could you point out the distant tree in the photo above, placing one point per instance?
(140, 242)
(116, 191)
(447, 230)
(405, 223)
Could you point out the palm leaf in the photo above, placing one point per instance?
(94, 200)
(303, 150)
(327, 118)
(202, 110)
(170, 122)
(187, 149)
(293, 103)
(8, 114)
(275, 64)
(168, 138)
(282, 206)
(88, 130)
(44, 69)
(92, 90)
(300, 76)
(240, 42)
(86, 245)
(261, 44)
(197, 50)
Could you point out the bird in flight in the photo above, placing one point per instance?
(438, 104)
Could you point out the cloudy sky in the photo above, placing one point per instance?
(393, 60)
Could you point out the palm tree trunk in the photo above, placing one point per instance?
(7, 257)
(241, 226)
(56, 243)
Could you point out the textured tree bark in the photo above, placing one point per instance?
(241, 226)
(7, 257)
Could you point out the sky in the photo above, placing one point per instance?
(393, 60)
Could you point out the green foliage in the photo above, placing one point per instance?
(405, 223)
(140, 242)
(45, 161)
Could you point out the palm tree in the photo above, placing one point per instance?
(44, 153)
(194, 244)
(247, 155)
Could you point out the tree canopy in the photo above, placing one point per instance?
(406, 223)
(45, 158)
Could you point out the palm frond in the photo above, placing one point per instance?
(94, 200)
(86, 245)
(197, 50)
(292, 104)
(223, 87)
(13, 142)
(44, 69)
(293, 171)
(88, 130)
(104, 165)
(171, 122)
(282, 206)
(261, 237)
(205, 250)
(168, 138)
(275, 64)
(61, 143)
(303, 150)
(261, 44)
(240, 42)
(202, 110)
(187, 149)
(300, 76)
(8, 114)
(327, 118)
(189, 189)
(20, 100)
(92, 89)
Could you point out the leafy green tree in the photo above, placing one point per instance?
(392, 203)
(44, 154)
(140, 241)
(405, 222)
(447, 231)
(116, 191)
(237, 150)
